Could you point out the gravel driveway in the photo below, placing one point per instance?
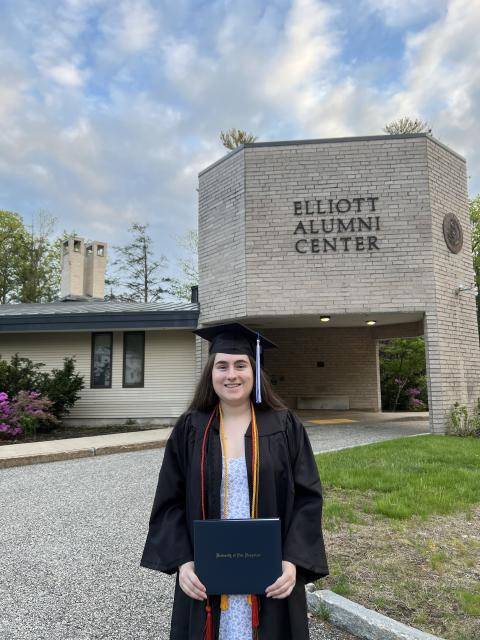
(72, 534)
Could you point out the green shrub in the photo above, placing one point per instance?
(461, 423)
(20, 374)
(60, 386)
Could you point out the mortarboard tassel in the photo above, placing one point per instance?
(255, 621)
(208, 630)
(258, 386)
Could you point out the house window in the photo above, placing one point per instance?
(133, 358)
(101, 376)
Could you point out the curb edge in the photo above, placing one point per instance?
(21, 461)
(363, 623)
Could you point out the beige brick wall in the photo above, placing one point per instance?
(453, 355)
(350, 365)
(221, 238)
(273, 277)
(250, 270)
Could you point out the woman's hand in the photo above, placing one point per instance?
(189, 582)
(283, 586)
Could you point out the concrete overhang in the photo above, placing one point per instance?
(337, 320)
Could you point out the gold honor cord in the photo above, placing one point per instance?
(225, 464)
(255, 475)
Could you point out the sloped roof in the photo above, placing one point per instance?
(95, 315)
(92, 306)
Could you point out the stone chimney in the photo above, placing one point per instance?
(95, 267)
(83, 269)
(73, 261)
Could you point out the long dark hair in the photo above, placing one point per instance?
(205, 398)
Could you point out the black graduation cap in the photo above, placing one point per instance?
(237, 338)
(233, 338)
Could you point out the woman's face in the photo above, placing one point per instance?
(232, 378)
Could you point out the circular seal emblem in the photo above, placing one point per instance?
(452, 232)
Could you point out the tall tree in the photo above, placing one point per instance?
(182, 288)
(407, 125)
(137, 274)
(233, 138)
(12, 235)
(39, 270)
(475, 220)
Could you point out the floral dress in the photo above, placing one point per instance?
(236, 621)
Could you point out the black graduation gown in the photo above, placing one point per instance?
(289, 488)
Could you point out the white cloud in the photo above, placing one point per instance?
(130, 25)
(79, 130)
(66, 74)
(442, 79)
(439, 82)
(38, 170)
(10, 100)
(307, 46)
(400, 13)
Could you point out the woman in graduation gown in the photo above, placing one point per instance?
(288, 488)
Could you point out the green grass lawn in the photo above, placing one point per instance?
(406, 477)
(402, 530)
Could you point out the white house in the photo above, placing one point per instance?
(137, 359)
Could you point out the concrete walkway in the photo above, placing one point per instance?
(50, 450)
(334, 430)
(328, 431)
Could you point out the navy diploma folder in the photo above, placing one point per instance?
(237, 555)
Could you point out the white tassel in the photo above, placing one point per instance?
(258, 386)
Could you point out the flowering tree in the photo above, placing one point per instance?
(403, 368)
(414, 402)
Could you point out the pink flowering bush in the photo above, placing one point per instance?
(23, 413)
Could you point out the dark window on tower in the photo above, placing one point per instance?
(133, 358)
(101, 373)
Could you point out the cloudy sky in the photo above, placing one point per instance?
(110, 108)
